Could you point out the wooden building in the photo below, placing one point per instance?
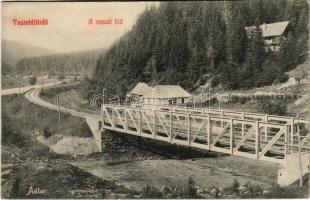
(272, 34)
(136, 94)
(159, 95)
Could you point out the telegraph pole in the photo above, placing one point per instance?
(20, 84)
(192, 101)
(103, 90)
(209, 98)
(201, 98)
(153, 97)
(58, 109)
(23, 86)
(35, 112)
(19, 88)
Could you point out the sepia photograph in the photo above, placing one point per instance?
(155, 100)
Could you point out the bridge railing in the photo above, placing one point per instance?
(223, 113)
(246, 137)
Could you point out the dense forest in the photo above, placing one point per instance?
(83, 62)
(192, 43)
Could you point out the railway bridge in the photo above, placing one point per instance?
(253, 135)
(272, 138)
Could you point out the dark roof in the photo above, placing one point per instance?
(268, 30)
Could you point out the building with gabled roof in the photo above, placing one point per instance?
(272, 33)
(140, 89)
(136, 94)
(159, 94)
(166, 95)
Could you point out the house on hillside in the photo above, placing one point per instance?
(272, 34)
(159, 95)
(136, 94)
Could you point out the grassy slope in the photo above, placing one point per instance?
(13, 82)
(302, 106)
(23, 122)
(60, 180)
(68, 97)
(33, 164)
(33, 118)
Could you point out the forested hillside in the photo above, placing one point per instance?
(13, 51)
(83, 62)
(189, 43)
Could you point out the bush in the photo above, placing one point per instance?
(61, 77)
(234, 188)
(252, 190)
(33, 80)
(151, 192)
(10, 134)
(215, 81)
(272, 107)
(187, 192)
(38, 150)
(281, 78)
(46, 132)
(284, 192)
(191, 189)
(87, 89)
(243, 99)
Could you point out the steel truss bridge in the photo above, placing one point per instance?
(252, 135)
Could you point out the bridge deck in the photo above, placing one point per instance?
(258, 136)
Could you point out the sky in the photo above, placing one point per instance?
(68, 29)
